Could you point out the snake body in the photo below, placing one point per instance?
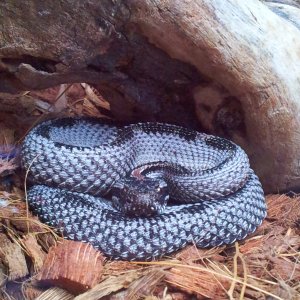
(215, 197)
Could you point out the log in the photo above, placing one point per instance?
(252, 53)
(227, 67)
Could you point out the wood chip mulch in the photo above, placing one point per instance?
(35, 263)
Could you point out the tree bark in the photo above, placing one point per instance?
(230, 67)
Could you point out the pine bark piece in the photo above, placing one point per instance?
(73, 266)
(35, 251)
(13, 257)
(198, 282)
(48, 240)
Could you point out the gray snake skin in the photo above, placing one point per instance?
(74, 163)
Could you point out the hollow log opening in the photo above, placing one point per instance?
(225, 67)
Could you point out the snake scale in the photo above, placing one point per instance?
(169, 186)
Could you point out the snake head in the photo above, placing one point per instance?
(140, 197)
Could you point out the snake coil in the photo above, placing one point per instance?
(75, 162)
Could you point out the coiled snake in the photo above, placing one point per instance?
(215, 198)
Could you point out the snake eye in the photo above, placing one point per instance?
(158, 189)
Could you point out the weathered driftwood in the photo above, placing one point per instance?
(232, 65)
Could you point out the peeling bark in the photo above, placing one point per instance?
(228, 67)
